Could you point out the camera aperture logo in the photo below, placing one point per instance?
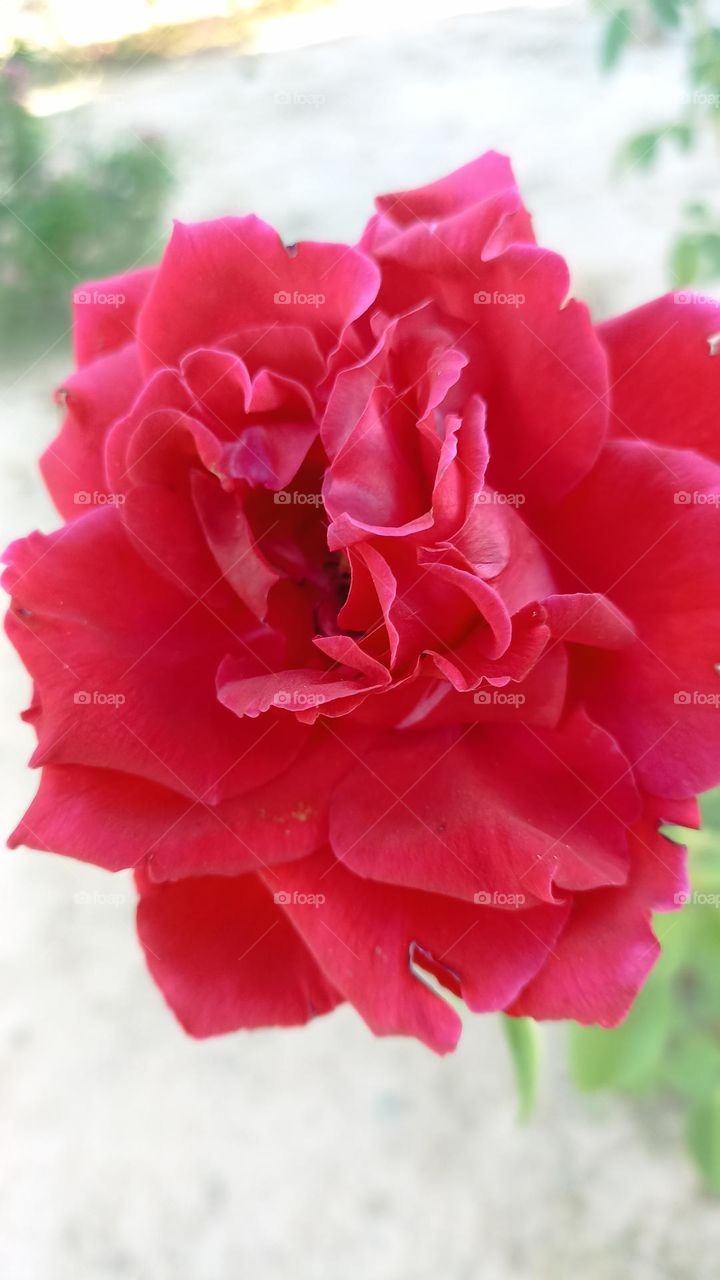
(696, 698)
(695, 898)
(283, 898)
(695, 498)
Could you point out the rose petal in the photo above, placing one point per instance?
(365, 935)
(105, 312)
(608, 948)
(488, 809)
(665, 378)
(225, 956)
(95, 397)
(126, 678)
(217, 276)
(624, 534)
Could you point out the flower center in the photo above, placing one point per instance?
(333, 592)
(337, 572)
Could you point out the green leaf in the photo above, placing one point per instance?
(617, 34)
(629, 1056)
(523, 1039)
(710, 805)
(667, 12)
(682, 134)
(640, 151)
(671, 1038)
(684, 261)
(692, 1066)
(705, 61)
(703, 1137)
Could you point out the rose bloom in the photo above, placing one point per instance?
(379, 638)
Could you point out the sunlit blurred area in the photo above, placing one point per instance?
(56, 24)
(193, 108)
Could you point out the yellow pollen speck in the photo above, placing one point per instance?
(302, 813)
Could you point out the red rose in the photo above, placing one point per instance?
(380, 638)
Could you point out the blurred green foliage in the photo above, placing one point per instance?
(523, 1040)
(695, 254)
(670, 1041)
(64, 217)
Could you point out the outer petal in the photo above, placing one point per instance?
(477, 203)
(105, 312)
(492, 809)
(534, 356)
(225, 956)
(126, 674)
(95, 396)
(665, 379)
(217, 276)
(644, 530)
(365, 935)
(608, 948)
(487, 176)
(116, 821)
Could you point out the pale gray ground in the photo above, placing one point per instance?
(129, 1151)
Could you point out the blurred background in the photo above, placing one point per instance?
(128, 1150)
